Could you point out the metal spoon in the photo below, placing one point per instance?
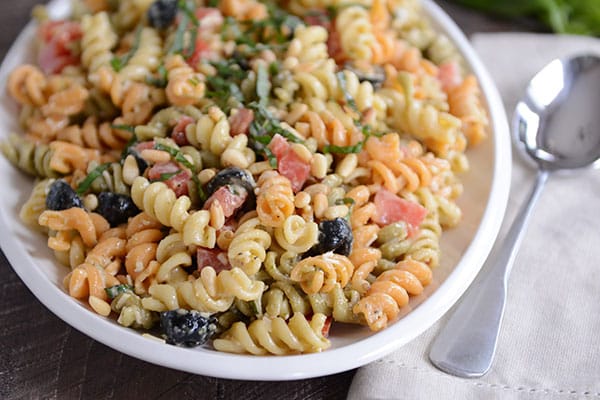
(557, 123)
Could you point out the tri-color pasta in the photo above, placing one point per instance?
(253, 169)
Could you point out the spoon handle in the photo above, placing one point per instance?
(465, 347)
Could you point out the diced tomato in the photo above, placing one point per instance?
(178, 133)
(143, 146)
(202, 51)
(289, 164)
(334, 47)
(172, 175)
(391, 208)
(294, 168)
(318, 17)
(279, 146)
(209, 20)
(240, 121)
(58, 50)
(230, 201)
(209, 17)
(449, 75)
(212, 258)
(51, 63)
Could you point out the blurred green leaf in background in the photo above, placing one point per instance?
(581, 17)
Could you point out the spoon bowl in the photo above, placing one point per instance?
(556, 123)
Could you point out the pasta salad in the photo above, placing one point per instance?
(241, 174)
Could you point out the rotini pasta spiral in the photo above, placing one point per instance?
(184, 87)
(275, 336)
(275, 200)
(161, 203)
(247, 249)
(391, 291)
(97, 42)
(320, 273)
(27, 85)
(143, 234)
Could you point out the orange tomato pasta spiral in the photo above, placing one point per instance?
(390, 292)
(464, 103)
(27, 84)
(275, 199)
(89, 225)
(98, 271)
(94, 135)
(185, 87)
(143, 234)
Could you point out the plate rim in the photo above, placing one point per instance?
(278, 368)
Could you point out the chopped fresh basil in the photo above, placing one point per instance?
(130, 142)
(201, 193)
(263, 85)
(90, 178)
(123, 127)
(346, 201)
(331, 148)
(161, 80)
(347, 96)
(118, 63)
(168, 175)
(194, 81)
(116, 290)
(271, 157)
(266, 124)
(176, 154)
(177, 45)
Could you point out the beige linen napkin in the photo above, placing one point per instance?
(549, 346)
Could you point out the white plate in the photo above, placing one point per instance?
(464, 251)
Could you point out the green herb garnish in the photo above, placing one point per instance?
(116, 290)
(123, 127)
(263, 85)
(201, 194)
(176, 154)
(344, 86)
(345, 201)
(331, 148)
(118, 63)
(168, 175)
(177, 45)
(132, 140)
(271, 157)
(161, 80)
(90, 178)
(265, 123)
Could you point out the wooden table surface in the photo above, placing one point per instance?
(41, 357)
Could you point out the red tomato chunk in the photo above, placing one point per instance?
(212, 258)
(58, 48)
(392, 208)
(240, 122)
(172, 175)
(229, 201)
(289, 164)
(178, 133)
